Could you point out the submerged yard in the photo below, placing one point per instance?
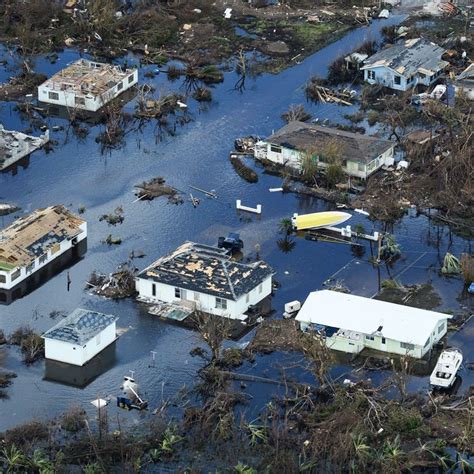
(191, 149)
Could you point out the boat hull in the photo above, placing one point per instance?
(317, 220)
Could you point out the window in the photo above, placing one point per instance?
(275, 148)
(30, 268)
(43, 258)
(422, 76)
(369, 338)
(398, 80)
(97, 339)
(441, 328)
(427, 342)
(79, 100)
(15, 274)
(153, 289)
(130, 79)
(383, 340)
(120, 86)
(197, 296)
(247, 298)
(3, 279)
(53, 95)
(177, 292)
(221, 303)
(260, 287)
(408, 346)
(371, 74)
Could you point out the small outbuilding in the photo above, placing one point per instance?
(351, 323)
(80, 336)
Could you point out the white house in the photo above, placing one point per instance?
(16, 145)
(86, 85)
(35, 245)
(205, 278)
(361, 155)
(405, 65)
(351, 323)
(79, 337)
(465, 82)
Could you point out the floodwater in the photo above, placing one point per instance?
(77, 174)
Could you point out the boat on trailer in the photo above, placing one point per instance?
(446, 369)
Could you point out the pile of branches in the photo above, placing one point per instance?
(119, 284)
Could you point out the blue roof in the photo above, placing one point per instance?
(80, 326)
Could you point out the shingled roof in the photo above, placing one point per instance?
(80, 326)
(207, 269)
(409, 57)
(355, 147)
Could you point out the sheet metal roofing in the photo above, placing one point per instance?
(369, 316)
(29, 237)
(87, 77)
(80, 326)
(354, 146)
(208, 270)
(409, 57)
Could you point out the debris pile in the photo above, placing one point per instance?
(156, 187)
(119, 284)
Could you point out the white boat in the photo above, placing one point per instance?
(316, 220)
(448, 364)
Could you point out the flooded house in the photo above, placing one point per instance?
(205, 278)
(87, 85)
(464, 82)
(360, 155)
(405, 65)
(80, 336)
(352, 323)
(35, 247)
(16, 145)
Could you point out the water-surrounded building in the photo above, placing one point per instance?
(17, 145)
(80, 336)
(35, 247)
(87, 85)
(351, 323)
(207, 279)
(406, 65)
(360, 155)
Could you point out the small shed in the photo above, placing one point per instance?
(351, 323)
(80, 336)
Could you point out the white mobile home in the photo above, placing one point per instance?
(86, 85)
(464, 83)
(205, 278)
(361, 155)
(80, 336)
(405, 65)
(351, 323)
(35, 246)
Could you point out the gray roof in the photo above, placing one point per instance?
(355, 146)
(467, 74)
(409, 57)
(80, 326)
(208, 270)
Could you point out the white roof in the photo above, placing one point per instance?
(365, 315)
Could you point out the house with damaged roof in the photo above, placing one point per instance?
(360, 155)
(37, 246)
(406, 65)
(205, 278)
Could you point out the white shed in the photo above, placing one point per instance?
(350, 323)
(80, 336)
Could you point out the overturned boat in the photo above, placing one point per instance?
(318, 220)
(448, 364)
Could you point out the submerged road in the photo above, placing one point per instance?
(77, 174)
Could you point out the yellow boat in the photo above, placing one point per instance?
(319, 219)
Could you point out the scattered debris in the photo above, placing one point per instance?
(119, 284)
(157, 187)
(113, 218)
